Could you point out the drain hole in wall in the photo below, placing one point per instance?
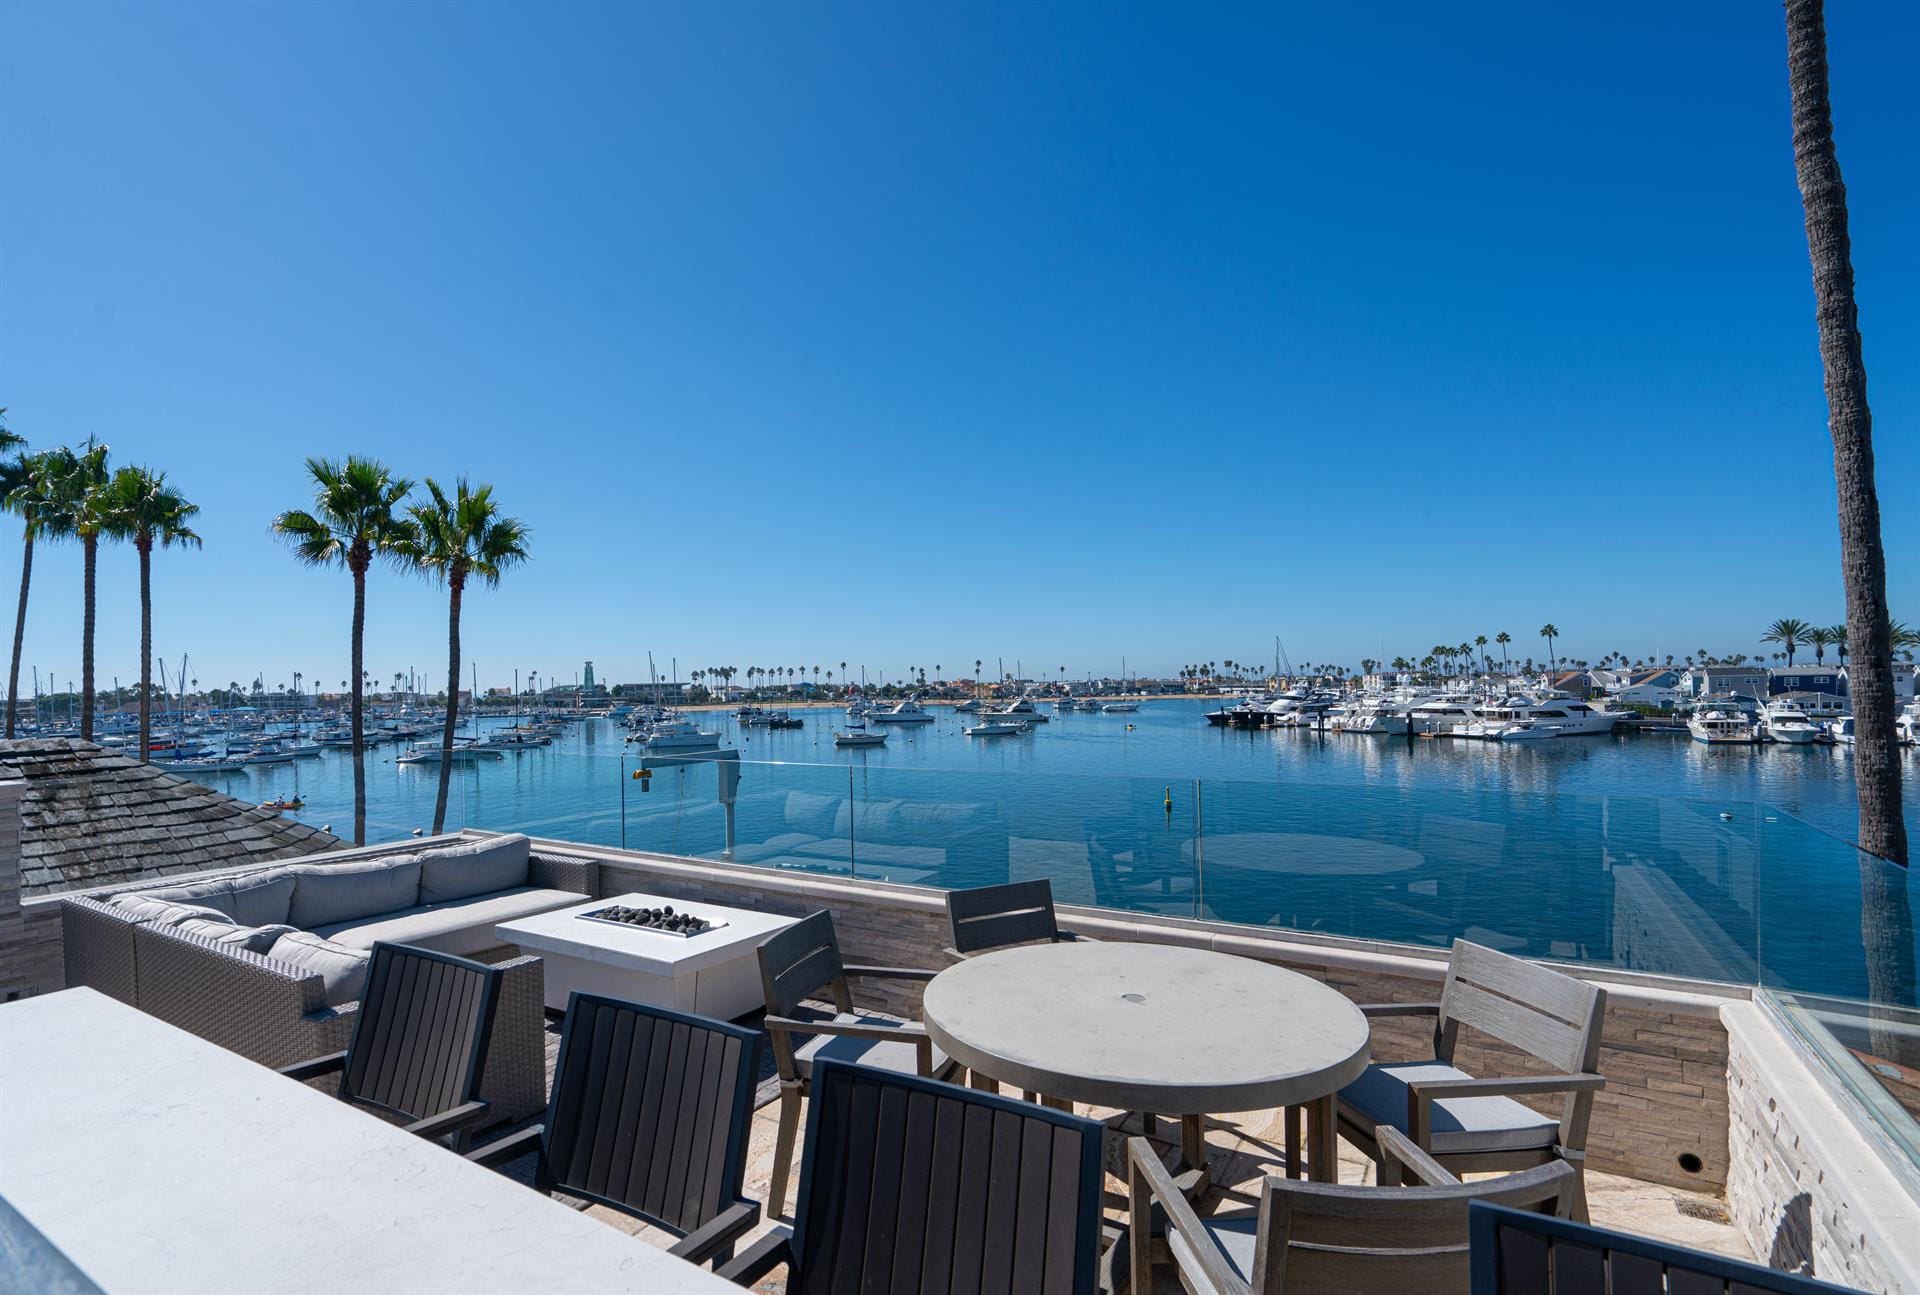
(1690, 1162)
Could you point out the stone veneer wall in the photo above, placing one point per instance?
(29, 930)
(1808, 1188)
(1664, 1055)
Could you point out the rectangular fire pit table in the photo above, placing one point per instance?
(714, 973)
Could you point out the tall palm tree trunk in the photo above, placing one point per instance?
(1862, 560)
(90, 546)
(145, 545)
(453, 702)
(19, 634)
(1886, 917)
(359, 747)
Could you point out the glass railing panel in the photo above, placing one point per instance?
(1123, 843)
(1644, 884)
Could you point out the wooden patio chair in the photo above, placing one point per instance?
(1527, 1254)
(913, 1186)
(1474, 1125)
(650, 1115)
(994, 917)
(1328, 1239)
(419, 1041)
(803, 962)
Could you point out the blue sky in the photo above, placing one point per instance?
(900, 335)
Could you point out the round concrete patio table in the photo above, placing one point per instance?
(1153, 1028)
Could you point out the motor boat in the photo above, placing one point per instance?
(859, 739)
(462, 753)
(998, 728)
(971, 706)
(1120, 707)
(1724, 727)
(1021, 710)
(1554, 715)
(907, 712)
(1788, 724)
(677, 735)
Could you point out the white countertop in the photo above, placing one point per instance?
(637, 948)
(159, 1162)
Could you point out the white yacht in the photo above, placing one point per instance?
(462, 753)
(1120, 707)
(1719, 727)
(1788, 724)
(678, 735)
(971, 706)
(1549, 715)
(907, 712)
(859, 739)
(1021, 710)
(1444, 715)
(1374, 715)
(998, 728)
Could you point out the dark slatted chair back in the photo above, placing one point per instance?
(650, 1110)
(1552, 1016)
(1323, 1239)
(420, 1036)
(910, 1185)
(801, 961)
(1526, 1254)
(992, 917)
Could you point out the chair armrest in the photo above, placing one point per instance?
(508, 1149)
(1514, 1087)
(1398, 1153)
(1372, 1010)
(761, 1258)
(717, 1233)
(450, 1120)
(1149, 1184)
(891, 973)
(781, 1027)
(314, 1067)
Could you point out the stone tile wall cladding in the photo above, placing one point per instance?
(1662, 1118)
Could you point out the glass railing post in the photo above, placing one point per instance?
(853, 812)
(1199, 853)
(623, 802)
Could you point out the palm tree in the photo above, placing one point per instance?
(1837, 635)
(1503, 638)
(1789, 633)
(28, 485)
(453, 538)
(78, 500)
(1850, 421)
(355, 518)
(1822, 638)
(143, 508)
(1550, 632)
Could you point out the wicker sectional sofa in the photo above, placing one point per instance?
(268, 960)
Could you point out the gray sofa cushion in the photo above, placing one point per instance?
(473, 868)
(259, 899)
(166, 912)
(254, 939)
(1460, 1124)
(901, 1058)
(264, 898)
(343, 971)
(328, 894)
(458, 926)
(215, 894)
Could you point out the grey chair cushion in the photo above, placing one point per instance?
(328, 894)
(459, 926)
(165, 912)
(1233, 1233)
(342, 971)
(901, 1058)
(264, 898)
(473, 868)
(1460, 1124)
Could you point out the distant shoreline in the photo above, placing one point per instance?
(930, 705)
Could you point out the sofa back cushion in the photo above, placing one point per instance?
(474, 868)
(165, 912)
(327, 894)
(342, 971)
(216, 894)
(264, 898)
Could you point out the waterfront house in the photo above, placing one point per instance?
(1803, 678)
(1717, 680)
(1660, 688)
